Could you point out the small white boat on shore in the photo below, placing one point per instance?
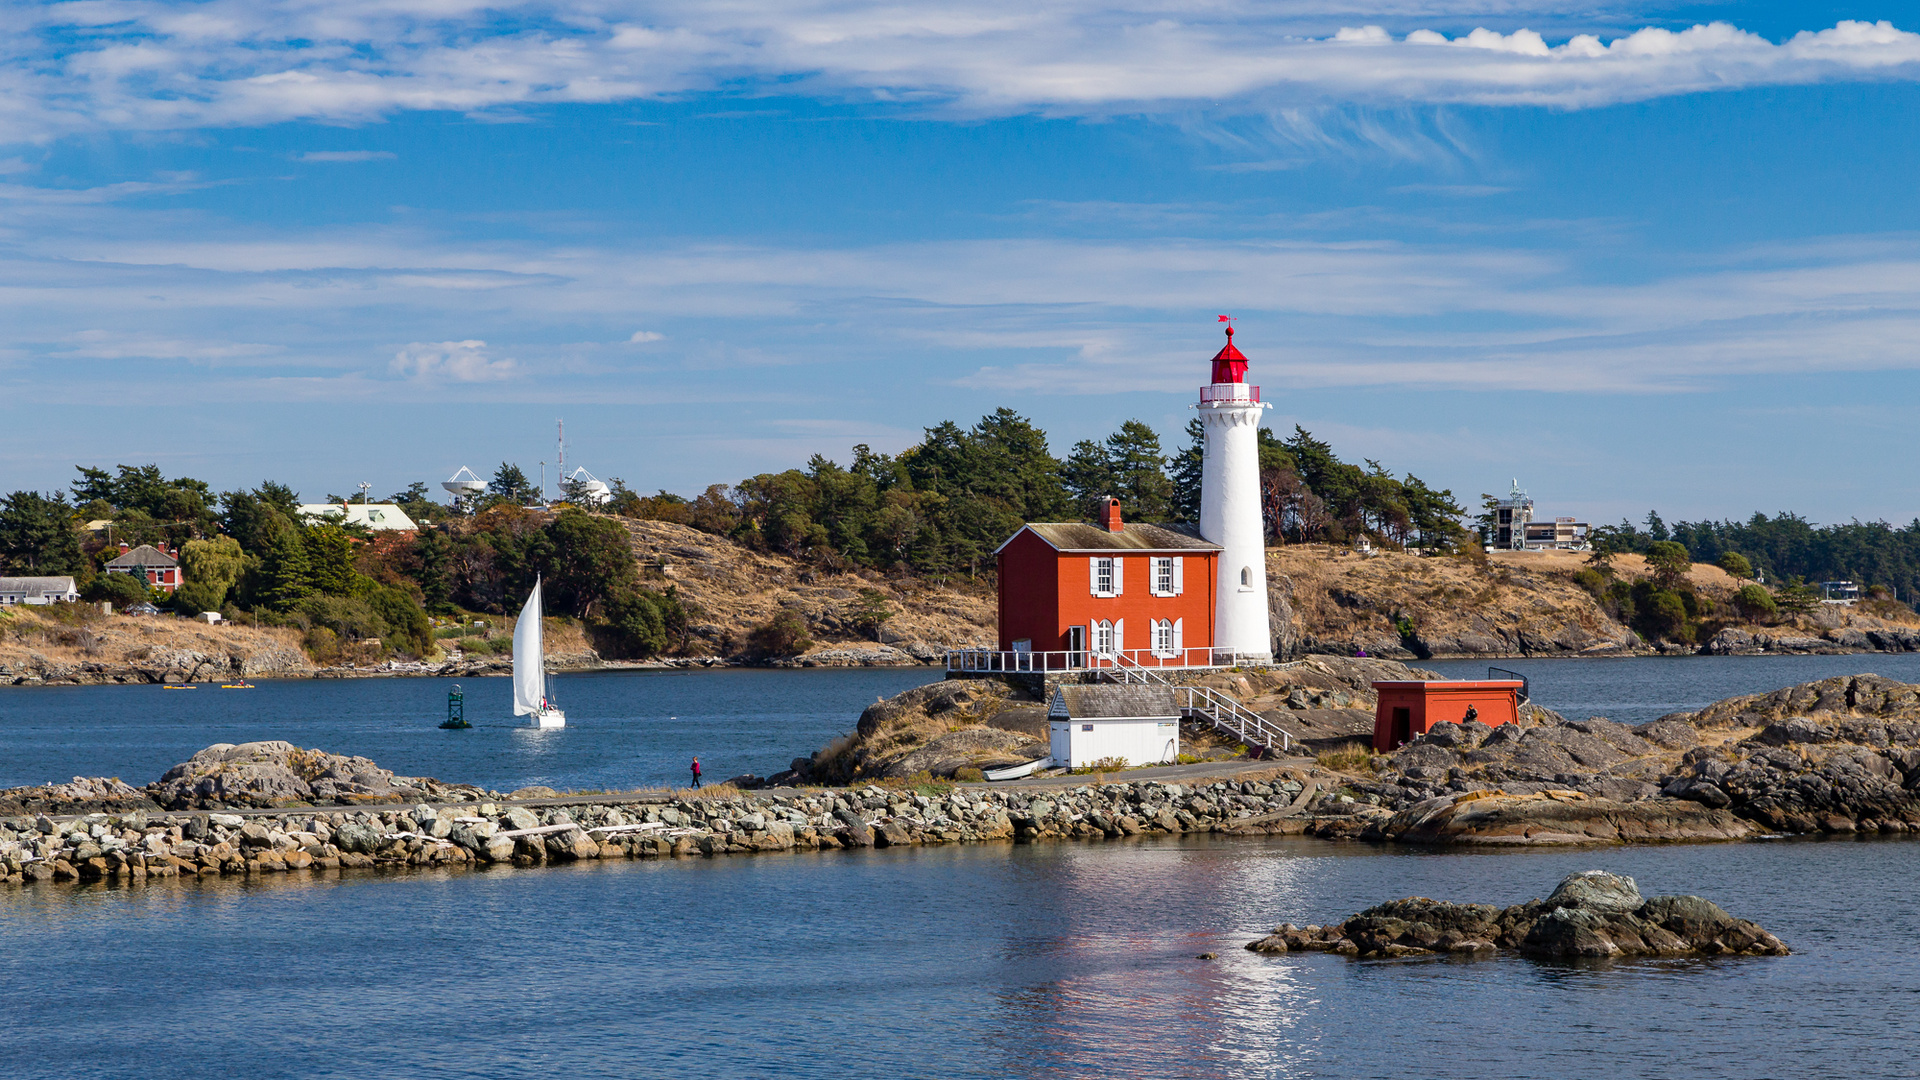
(530, 694)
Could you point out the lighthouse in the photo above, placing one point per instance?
(1230, 507)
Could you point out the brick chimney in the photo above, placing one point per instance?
(1111, 516)
(123, 547)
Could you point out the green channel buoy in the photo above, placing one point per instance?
(456, 710)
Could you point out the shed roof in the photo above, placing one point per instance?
(376, 516)
(1115, 702)
(1081, 536)
(144, 555)
(37, 586)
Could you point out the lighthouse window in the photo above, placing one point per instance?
(1246, 577)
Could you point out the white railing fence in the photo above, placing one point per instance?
(1015, 660)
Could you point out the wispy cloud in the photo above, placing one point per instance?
(306, 313)
(345, 155)
(153, 64)
(450, 361)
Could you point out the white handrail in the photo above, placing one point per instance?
(1017, 660)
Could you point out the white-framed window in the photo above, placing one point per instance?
(1246, 577)
(1162, 576)
(1104, 576)
(1163, 637)
(1103, 638)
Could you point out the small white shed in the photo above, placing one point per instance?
(1139, 725)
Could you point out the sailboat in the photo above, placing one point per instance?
(530, 667)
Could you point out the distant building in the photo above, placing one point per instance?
(37, 590)
(161, 570)
(1515, 530)
(379, 517)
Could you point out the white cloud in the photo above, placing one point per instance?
(345, 155)
(296, 316)
(166, 65)
(450, 361)
(642, 336)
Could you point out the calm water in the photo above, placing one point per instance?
(1051, 960)
(624, 729)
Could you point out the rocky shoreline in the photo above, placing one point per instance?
(1839, 755)
(137, 840)
(202, 668)
(1590, 915)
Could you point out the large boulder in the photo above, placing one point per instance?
(275, 774)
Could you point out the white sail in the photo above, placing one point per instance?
(529, 658)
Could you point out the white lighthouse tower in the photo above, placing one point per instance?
(1230, 506)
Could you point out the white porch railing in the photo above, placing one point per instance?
(1016, 660)
(1216, 708)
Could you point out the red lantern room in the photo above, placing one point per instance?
(1228, 365)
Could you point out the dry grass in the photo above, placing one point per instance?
(1353, 757)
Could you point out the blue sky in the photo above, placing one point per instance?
(1652, 255)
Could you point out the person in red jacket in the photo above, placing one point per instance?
(696, 772)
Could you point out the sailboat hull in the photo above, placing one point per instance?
(549, 718)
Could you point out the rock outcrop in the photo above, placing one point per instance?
(1839, 755)
(1590, 915)
(279, 774)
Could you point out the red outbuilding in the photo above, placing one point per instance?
(1409, 708)
(1077, 595)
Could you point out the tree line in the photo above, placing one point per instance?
(253, 555)
(1787, 549)
(944, 505)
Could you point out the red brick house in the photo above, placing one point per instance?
(1076, 595)
(161, 570)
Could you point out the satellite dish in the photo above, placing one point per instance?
(464, 483)
(590, 489)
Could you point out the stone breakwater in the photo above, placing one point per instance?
(1592, 915)
(140, 845)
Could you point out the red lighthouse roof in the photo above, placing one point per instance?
(1228, 365)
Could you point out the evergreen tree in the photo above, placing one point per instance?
(37, 536)
(329, 551)
(433, 574)
(284, 571)
(510, 485)
(1139, 473)
(1089, 477)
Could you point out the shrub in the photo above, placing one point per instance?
(783, 635)
(869, 613)
(119, 589)
(195, 597)
(1755, 603)
(1736, 565)
(322, 645)
(1661, 614)
(968, 773)
(1593, 581)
